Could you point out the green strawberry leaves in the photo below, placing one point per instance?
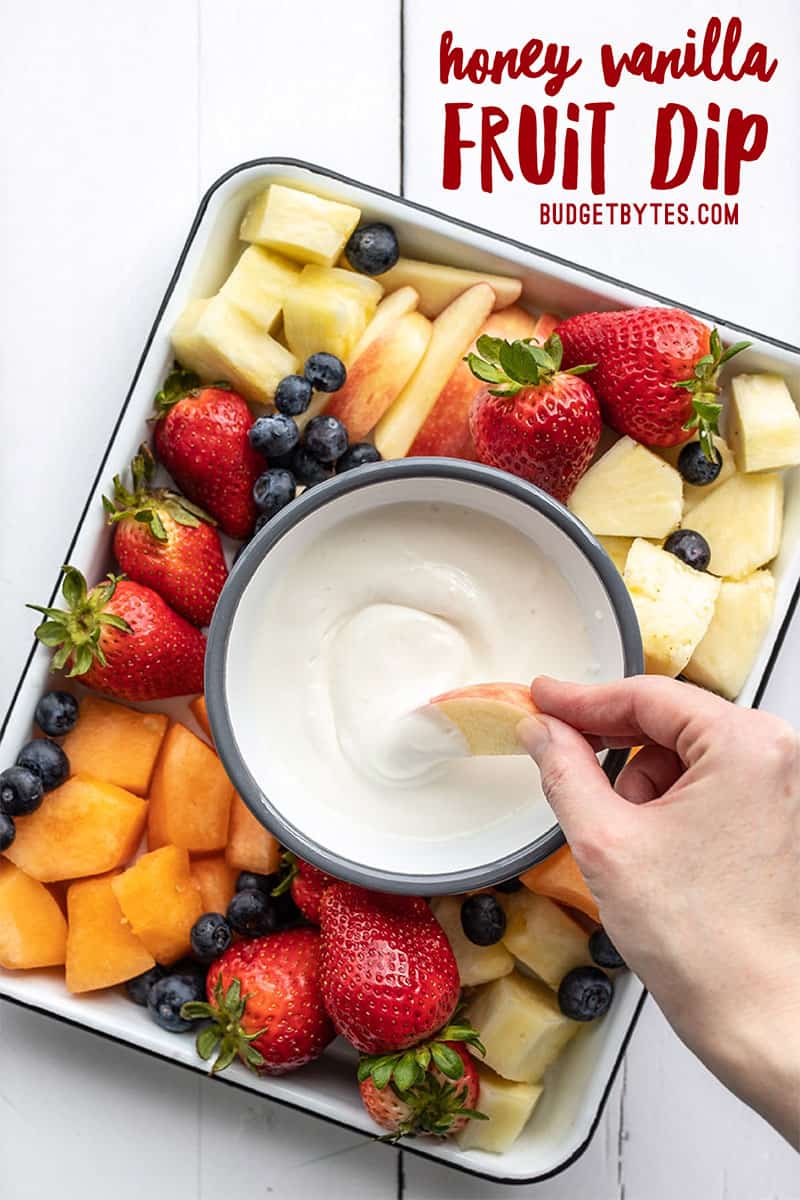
(407, 1069)
(179, 383)
(74, 632)
(149, 506)
(224, 1036)
(511, 366)
(704, 388)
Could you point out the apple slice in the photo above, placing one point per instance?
(378, 376)
(452, 333)
(446, 430)
(439, 286)
(487, 715)
(545, 325)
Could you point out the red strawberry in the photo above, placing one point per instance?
(123, 639)
(201, 438)
(265, 1004)
(439, 1101)
(166, 542)
(307, 887)
(656, 372)
(536, 421)
(388, 974)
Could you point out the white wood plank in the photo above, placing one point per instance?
(745, 273)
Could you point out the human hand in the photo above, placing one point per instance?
(694, 860)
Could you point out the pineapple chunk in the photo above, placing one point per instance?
(629, 492)
(543, 937)
(361, 287)
(507, 1105)
(692, 495)
(763, 423)
(476, 964)
(674, 605)
(617, 549)
(258, 285)
(322, 318)
(521, 1026)
(300, 225)
(219, 342)
(742, 523)
(723, 659)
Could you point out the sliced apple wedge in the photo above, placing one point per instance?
(378, 376)
(439, 286)
(487, 715)
(546, 324)
(446, 429)
(452, 333)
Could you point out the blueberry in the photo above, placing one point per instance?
(249, 881)
(8, 831)
(138, 988)
(357, 456)
(690, 547)
(585, 993)
(211, 936)
(293, 395)
(56, 713)
(604, 952)
(47, 760)
(325, 372)
(273, 435)
(482, 919)
(326, 438)
(695, 467)
(509, 885)
(190, 966)
(166, 997)
(21, 791)
(307, 469)
(252, 914)
(372, 249)
(273, 490)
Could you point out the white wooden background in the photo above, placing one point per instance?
(114, 119)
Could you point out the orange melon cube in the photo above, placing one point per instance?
(190, 796)
(116, 743)
(33, 932)
(161, 901)
(216, 880)
(200, 714)
(250, 847)
(84, 827)
(101, 949)
(559, 877)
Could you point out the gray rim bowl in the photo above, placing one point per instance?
(216, 663)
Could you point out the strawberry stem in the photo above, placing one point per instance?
(179, 383)
(704, 387)
(74, 632)
(225, 1036)
(406, 1069)
(149, 505)
(511, 366)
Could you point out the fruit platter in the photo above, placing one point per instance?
(314, 325)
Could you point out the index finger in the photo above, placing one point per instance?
(646, 709)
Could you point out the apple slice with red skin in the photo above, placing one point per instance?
(487, 715)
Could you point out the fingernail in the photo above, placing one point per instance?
(534, 736)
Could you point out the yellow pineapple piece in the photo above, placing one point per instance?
(258, 285)
(763, 423)
(115, 743)
(361, 287)
(300, 225)
(616, 548)
(508, 1107)
(521, 1026)
(742, 522)
(629, 492)
(161, 901)
(101, 949)
(476, 964)
(544, 937)
(218, 341)
(33, 932)
(322, 319)
(723, 659)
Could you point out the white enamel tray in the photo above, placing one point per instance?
(578, 1085)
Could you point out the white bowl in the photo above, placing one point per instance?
(242, 707)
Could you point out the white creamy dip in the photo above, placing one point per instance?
(372, 619)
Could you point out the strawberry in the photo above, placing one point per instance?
(388, 974)
(166, 542)
(656, 371)
(264, 1004)
(308, 886)
(536, 421)
(437, 1098)
(201, 438)
(123, 639)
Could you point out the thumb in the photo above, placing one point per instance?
(575, 785)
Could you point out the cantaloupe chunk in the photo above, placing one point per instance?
(85, 827)
(250, 847)
(116, 743)
(161, 900)
(216, 880)
(33, 932)
(101, 949)
(200, 714)
(190, 796)
(560, 878)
